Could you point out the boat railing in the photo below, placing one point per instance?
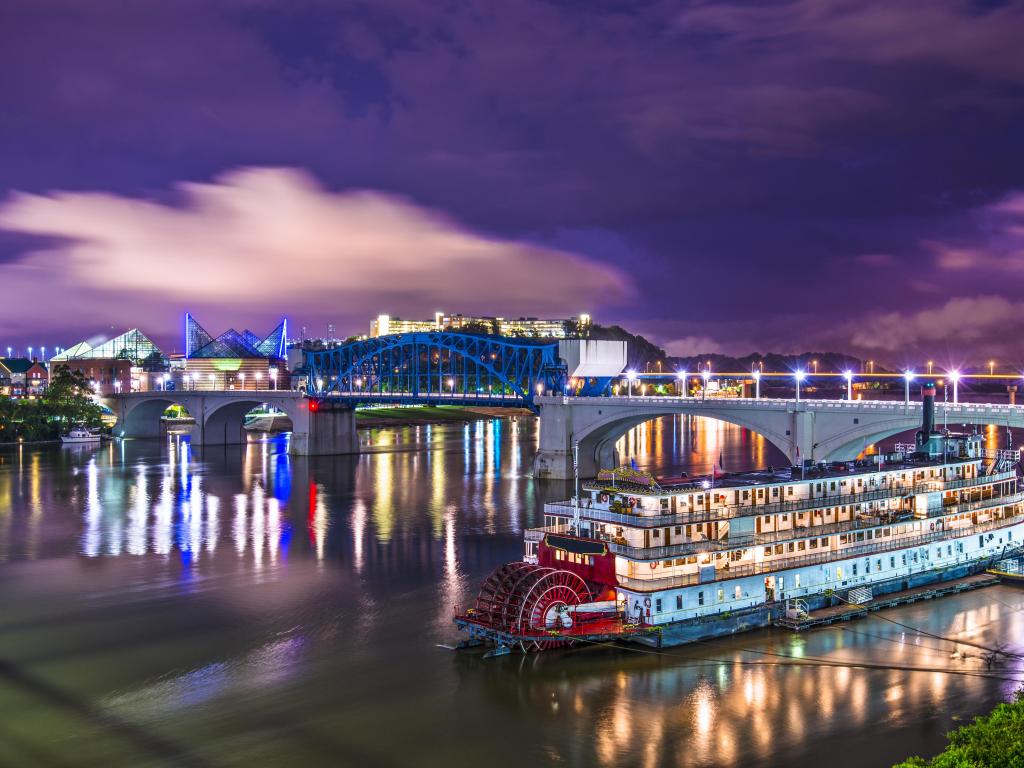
(732, 571)
(800, 532)
(640, 520)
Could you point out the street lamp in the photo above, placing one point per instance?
(757, 385)
(213, 381)
(241, 379)
(799, 376)
(165, 378)
(991, 365)
(630, 377)
(908, 376)
(848, 375)
(930, 367)
(273, 378)
(258, 376)
(705, 374)
(319, 384)
(451, 384)
(815, 364)
(954, 376)
(681, 375)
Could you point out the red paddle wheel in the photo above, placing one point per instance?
(531, 602)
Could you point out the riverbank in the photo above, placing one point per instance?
(430, 414)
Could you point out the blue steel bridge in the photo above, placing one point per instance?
(443, 368)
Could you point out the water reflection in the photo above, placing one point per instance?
(267, 588)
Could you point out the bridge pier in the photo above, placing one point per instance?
(324, 429)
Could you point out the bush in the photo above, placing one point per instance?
(995, 741)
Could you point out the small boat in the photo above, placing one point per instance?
(79, 435)
(1009, 571)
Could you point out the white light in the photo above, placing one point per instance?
(705, 484)
(908, 375)
(848, 375)
(757, 374)
(706, 375)
(631, 375)
(800, 375)
(681, 375)
(954, 376)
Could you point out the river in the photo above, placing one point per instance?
(162, 606)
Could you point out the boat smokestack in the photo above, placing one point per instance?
(928, 409)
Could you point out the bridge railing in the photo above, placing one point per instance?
(780, 403)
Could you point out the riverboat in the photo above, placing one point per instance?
(80, 436)
(667, 562)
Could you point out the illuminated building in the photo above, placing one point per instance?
(384, 325)
(130, 362)
(234, 360)
(21, 377)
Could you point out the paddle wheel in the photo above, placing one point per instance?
(533, 605)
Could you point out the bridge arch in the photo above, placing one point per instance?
(224, 420)
(597, 440)
(142, 419)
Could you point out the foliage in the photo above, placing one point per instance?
(995, 741)
(66, 402)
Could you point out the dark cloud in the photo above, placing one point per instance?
(761, 170)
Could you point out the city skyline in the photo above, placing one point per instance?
(717, 177)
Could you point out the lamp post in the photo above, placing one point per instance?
(630, 378)
(213, 381)
(954, 376)
(848, 375)
(908, 376)
(319, 384)
(757, 384)
(991, 366)
(799, 376)
(930, 363)
(241, 379)
(258, 375)
(682, 383)
(706, 375)
(273, 378)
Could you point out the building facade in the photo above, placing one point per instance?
(130, 362)
(233, 360)
(533, 327)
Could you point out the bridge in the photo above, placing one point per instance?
(318, 428)
(461, 369)
(817, 430)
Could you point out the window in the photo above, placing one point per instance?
(657, 533)
(700, 598)
(796, 581)
(738, 593)
(721, 595)
(814, 543)
(782, 583)
(679, 602)
(839, 572)
(667, 563)
(657, 605)
(854, 569)
(892, 561)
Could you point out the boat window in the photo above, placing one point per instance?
(679, 602)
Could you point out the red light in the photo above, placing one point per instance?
(314, 405)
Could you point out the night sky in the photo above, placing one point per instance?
(722, 177)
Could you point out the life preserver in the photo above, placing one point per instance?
(647, 602)
(654, 565)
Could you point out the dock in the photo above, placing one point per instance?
(847, 611)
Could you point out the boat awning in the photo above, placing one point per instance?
(577, 546)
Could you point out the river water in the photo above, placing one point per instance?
(164, 606)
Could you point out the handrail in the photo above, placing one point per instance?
(778, 507)
(795, 534)
(751, 569)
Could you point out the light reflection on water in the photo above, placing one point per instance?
(245, 586)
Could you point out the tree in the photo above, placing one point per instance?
(995, 741)
(68, 400)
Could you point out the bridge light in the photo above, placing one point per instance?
(954, 376)
(631, 375)
(908, 376)
(848, 375)
(319, 385)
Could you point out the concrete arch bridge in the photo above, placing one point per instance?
(819, 430)
(318, 427)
